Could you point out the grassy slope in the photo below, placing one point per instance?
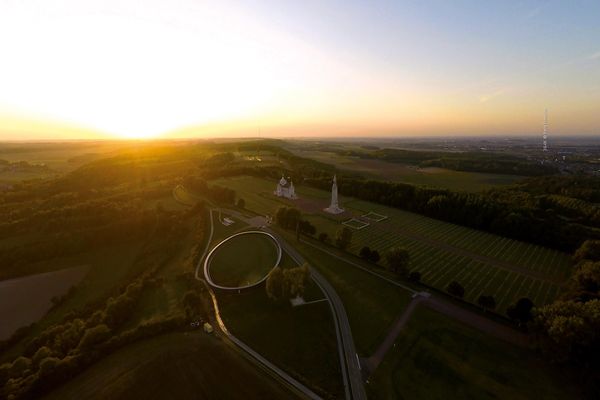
(458, 362)
(300, 340)
(435, 357)
(371, 306)
(173, 366)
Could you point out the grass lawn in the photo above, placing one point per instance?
(300, 340)
(173, 366)
(483, 263)
(436, 357)
(243, 260)
(371, 305)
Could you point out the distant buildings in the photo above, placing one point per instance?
(285, 188)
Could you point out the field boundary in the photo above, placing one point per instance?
(375, 217)
(355, 224)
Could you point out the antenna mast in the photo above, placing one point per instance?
(545, 136)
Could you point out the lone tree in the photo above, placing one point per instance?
(274, 286)
(374, 257)
(365, 253)
(486, 302)
(343, 237)
(241, 203)
(369, 255)
(323, 237)
(521, 311)
(307, 228)
(455, 289)
(287, 217)
(398, 259)
(284, 284)
(414, 276)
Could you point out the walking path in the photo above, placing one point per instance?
(373, 362)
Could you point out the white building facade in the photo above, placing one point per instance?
(285, 189)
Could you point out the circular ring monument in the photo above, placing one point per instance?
(242, 261)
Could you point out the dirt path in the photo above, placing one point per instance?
(474, 320)
(373, 362)
(479, 322)
(467, 317)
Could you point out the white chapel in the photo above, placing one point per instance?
(285, 188)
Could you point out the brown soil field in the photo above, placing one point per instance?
(26, 300)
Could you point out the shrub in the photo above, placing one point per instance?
(455, 289)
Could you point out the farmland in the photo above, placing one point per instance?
(394, 172)
(25, 300)
(442, 252)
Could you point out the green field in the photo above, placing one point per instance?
(243, 260)
(395, 172)
(300, 340)
(371, 306)
(483, 263)
(434, 357)
(173, 366)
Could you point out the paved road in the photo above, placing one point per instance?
(353, 382)
(351, 369)
(272, 368)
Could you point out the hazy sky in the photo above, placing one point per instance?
(133, 68)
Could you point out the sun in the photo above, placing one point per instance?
(138, 136)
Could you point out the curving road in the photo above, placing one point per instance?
(350, 364)
(351, 369)
(266, 364)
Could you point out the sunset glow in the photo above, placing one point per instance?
(201, 69)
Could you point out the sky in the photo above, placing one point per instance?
(183, 68)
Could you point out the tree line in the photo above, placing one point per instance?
(508, 215)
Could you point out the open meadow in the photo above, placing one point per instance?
(176, 366)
